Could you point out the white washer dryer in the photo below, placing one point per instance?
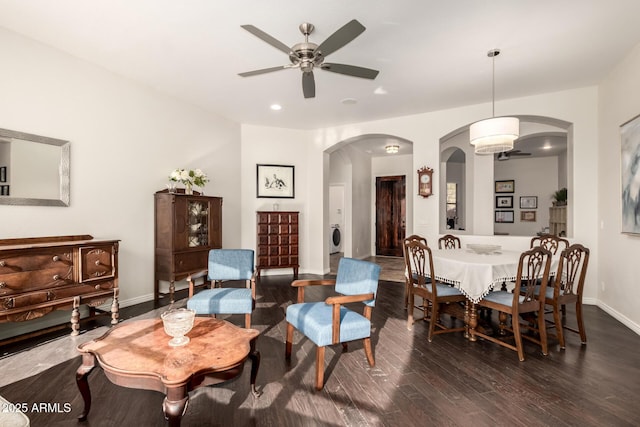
(336, 239)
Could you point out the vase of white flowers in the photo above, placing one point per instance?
(189, 177)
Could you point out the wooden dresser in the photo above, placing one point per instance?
(42, 274)
(277, 241)
(187, 227)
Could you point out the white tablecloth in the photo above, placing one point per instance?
(475, 274)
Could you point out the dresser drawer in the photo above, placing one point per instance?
(97, 262)
(26, 281)
(37, 259)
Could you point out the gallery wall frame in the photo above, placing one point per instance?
(504, 202)
(504, 216)
(529, 202)
(275, 181)
(630, 175)
(528, 216)
(4, 190)
(506, 186)
(3, 174)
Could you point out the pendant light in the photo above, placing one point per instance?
(494, 135)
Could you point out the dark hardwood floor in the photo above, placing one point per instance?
(450, 381)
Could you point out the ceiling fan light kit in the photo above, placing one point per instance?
(307, 55)
(496, 134)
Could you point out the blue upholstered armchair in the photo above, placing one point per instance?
(328, 322)
(226, 264)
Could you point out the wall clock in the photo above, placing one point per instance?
(425, 181)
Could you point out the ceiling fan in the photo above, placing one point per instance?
(307, 55)
(506, 155)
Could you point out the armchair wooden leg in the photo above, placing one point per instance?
(289, 341)
(435, 314)
(247, 320)
(319, 368)
(369, 352)
(542, 330)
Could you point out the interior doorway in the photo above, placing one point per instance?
(390, 214)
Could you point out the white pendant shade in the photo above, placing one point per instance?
(494, 135)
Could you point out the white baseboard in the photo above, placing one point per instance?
(619, 316)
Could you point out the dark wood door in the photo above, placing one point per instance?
(390, 215)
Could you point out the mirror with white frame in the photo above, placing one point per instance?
(34, 169)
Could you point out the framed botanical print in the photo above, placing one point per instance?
(275, 181)
(528, 216)
(529, 202)
(507, 186)
(504, 202)
(504, 216)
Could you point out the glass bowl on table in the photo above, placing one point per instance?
(177, 324)
(484, 249)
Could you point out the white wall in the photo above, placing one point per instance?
(533, 177)
(125, 140)
(618, 260)
(577, 106)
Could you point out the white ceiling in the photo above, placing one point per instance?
(431, 53)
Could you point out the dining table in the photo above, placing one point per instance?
(476, 273)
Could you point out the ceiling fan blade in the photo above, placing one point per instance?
(351, 70)
(308, 85)
(267, 38)
(341, 37)
(262, 71)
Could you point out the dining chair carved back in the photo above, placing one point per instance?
(526, 298)
(437, 298)
(226, 265)
(409, 275)
(329, 322)
(550, 242)
(570, 277)
(449, 241)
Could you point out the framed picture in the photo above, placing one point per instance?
(275, 181)
(508, 186)
(528, 216)
(529, 202)
(630, 170)
(504, 202)
(504, 216)
(3, 174)
(4, 190)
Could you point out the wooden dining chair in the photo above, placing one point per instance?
(534, 264)
(329, 322)
(409, 275)
(570, 276)
(437, 298)
(449, 241)
(550, 242)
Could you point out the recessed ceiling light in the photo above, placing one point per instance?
(380, 91)
(349, 101)
(546, 146)
(276, 107)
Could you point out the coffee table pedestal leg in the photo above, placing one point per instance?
(88, 363)
(175, 404)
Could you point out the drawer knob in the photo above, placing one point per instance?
(2, 263)
(98, 262)
(3, 284)
(56, 258)
(56, 277)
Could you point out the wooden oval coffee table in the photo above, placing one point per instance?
(136, 354)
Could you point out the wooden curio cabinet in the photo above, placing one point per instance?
(186, 228)
(277, 240)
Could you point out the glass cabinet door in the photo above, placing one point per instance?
(198, 214)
